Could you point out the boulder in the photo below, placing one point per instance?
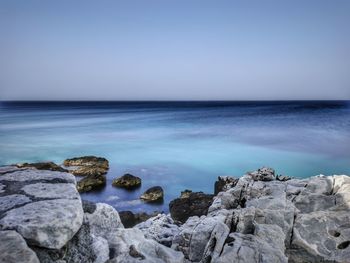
(51, 166)
(153, 194)
(127, 181)
(14, 249)
(89, 171)
(191, 204)
(44, 207)
(91, 182)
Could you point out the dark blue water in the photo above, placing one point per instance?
(179, 145)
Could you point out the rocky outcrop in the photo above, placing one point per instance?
(190, 204)
(153, 194)
(262, 219)
(42, 219)
(127, 181)
(258, 219)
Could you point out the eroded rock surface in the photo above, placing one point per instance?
(260, 218)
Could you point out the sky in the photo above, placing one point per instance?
(174, 50)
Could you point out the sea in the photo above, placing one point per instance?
(179, 145)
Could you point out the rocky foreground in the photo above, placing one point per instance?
(256, 218)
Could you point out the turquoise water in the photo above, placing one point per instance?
(179, 145)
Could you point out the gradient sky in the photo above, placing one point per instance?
(147, 49)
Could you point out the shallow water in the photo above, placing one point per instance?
(179, 145)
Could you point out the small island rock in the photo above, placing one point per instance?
(127, 181)
(153, 194)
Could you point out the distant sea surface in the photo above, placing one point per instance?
(179, 145)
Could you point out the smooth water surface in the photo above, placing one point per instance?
(179, 145)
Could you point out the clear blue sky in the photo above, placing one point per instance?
(173, 50)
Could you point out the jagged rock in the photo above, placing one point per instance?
(130, 245)
(47, 190)
(91, 182)
(264, 246)
(224, 183)
(193, 204)
(161, 228)
(201, 239)
(263, 174)
(153, 194)
(127, 181)
(87, 161)
(130, 219)
(14, 249)
(51, 166)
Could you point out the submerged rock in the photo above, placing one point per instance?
(51, 166)
(153, 194)
(127, 181)
(91, 182)
(190, 204)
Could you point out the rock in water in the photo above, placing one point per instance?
(93, 168)
(87, 161)
(127, 181)
(190, 204)
(88, 165)
(91, 182)
(153, 194)
(51, 166)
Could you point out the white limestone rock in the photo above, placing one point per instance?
(50, 223)
(14, 249)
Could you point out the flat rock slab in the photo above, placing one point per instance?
(14, 249)
(49, 224)
(33, 174)
(46, 190)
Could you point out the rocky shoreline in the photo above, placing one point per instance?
(259, 217)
